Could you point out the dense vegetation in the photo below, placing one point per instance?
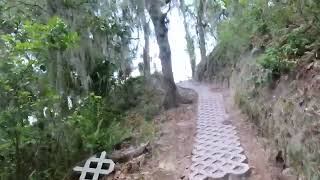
(282, 30)
(65, 88)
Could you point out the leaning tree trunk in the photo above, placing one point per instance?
(189, 39)
(159, 20)
(201, 34)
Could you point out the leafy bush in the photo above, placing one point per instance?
(42, 136)
(295, 43)
(97, 124)
(282, 60)
(150, 110)
(130, 93)
(52, 144)
(272, 61)
(48, 67)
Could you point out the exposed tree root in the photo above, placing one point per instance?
(121, 156)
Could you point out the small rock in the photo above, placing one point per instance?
(301, 103)
(279, 158)
(121, 176)
(288, 174)
(132, 167)
(310, 66)
(257, 51)
(141, 160)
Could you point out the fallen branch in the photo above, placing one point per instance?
(122, 156)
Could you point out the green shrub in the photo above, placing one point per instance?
(150, 110)
(49, 147)
(97, 124)
(272, 61)
(295, 43)
(129, 94)
(282, 60)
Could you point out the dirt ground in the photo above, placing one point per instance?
(170, 157)
(174, 147)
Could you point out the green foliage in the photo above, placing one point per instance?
(233, 38)
(278, 17)
(26, 147)
(150, 110)
(41, 135)
(283, 59)
(272, 61)
(254, 24)
(28, 136)
(130, 94)
(260, 80)
(102, 78)
(296, 41)
(290, 31)
(97, 124)
(55, 35)
(234, 35)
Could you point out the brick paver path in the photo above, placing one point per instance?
(217, 153)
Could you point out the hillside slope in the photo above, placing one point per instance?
(270, 58)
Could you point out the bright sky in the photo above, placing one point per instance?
(180, 58)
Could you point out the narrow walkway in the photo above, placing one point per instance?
(217, 153)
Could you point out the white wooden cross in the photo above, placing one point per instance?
(95, 168)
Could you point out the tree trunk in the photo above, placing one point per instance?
(19, 173)
(146, 49)
(201, 34)
(189, 39)
(159, 20)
